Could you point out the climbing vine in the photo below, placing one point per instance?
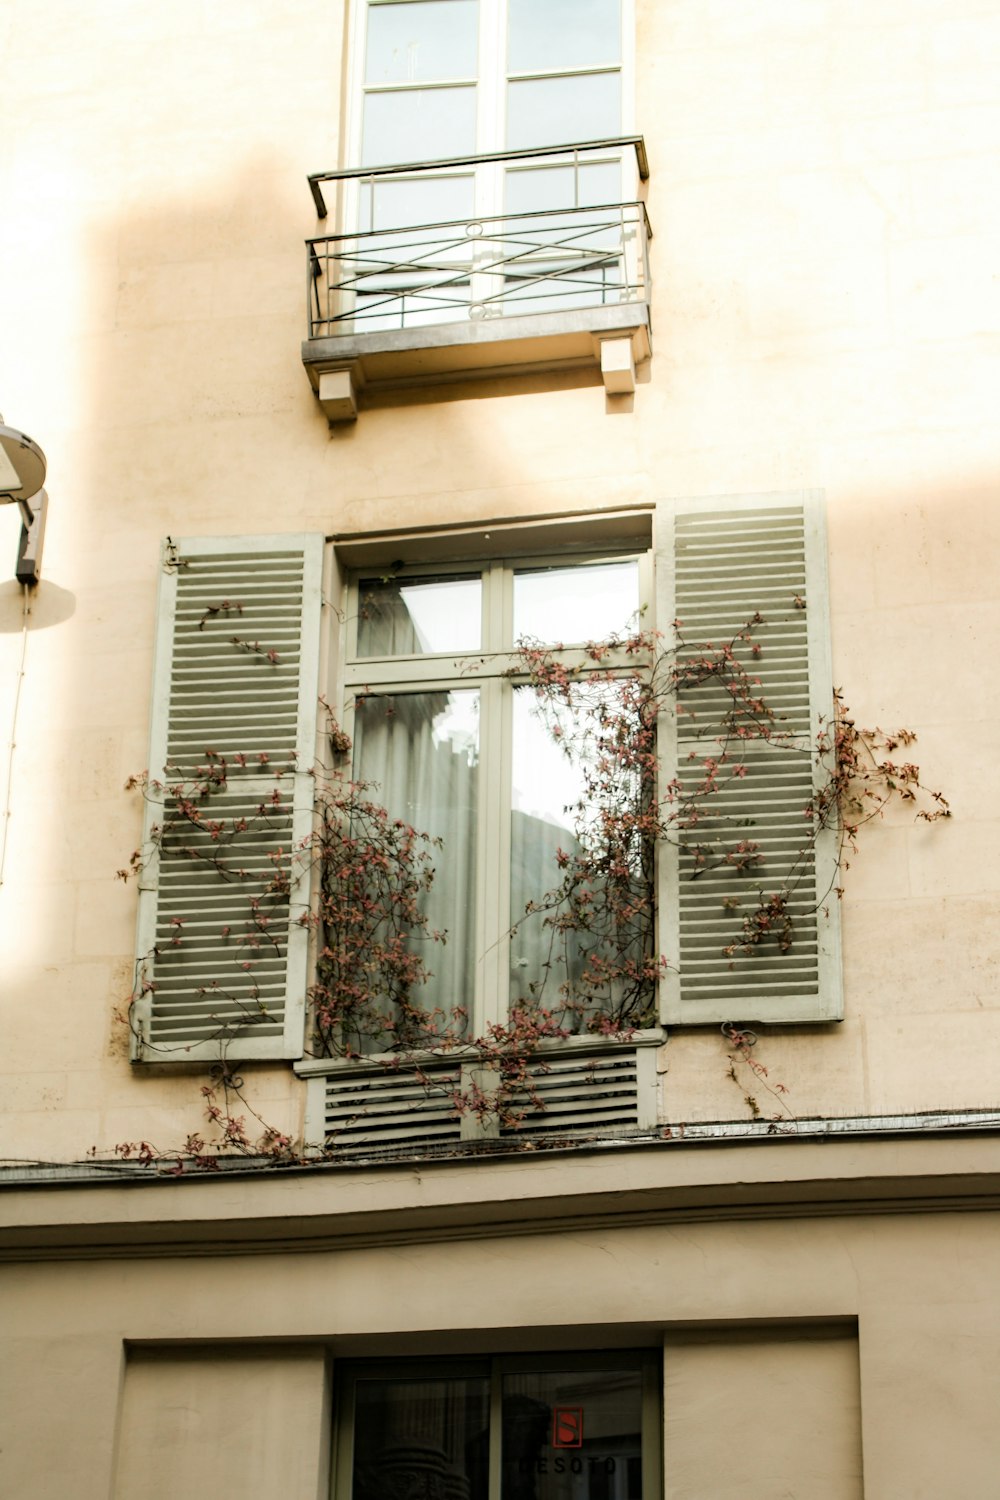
(600, 968)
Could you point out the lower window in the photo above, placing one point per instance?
(559, 1427)
(451, 738)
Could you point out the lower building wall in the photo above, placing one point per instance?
(803, 1359)
(242, 1422)
(763, 1413)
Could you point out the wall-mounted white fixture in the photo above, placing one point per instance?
(22, 474)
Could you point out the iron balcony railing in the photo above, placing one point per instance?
(569, 257)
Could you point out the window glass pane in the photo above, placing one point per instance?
(549, 34)
(419, 307)
(426, 1438)
(401, 202)
(580, 855)
(562, 288)
(418, 125)
(421, 42)
(584, 602)
(575, 1435)
(537, 189)
(546, 788)
(421, 753)
(556, 111)
(412, 305)
(402, 277)
(417, 616)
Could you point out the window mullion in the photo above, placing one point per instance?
(488, 846)
(494, 844)
(630, 168)
(652, 1426)
(490, 136)
(500, 867)
(343, 1457)
(496, 1433)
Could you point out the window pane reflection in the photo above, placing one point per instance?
(421, 1438)
(563, 34)
(418, 616)
(586, 602)
(573, 816)
(555, 111)
(540, 189)
(563, 289)
(546, 788)
(427, 41)
(572, 1435)
(404, 201)
(427, 122)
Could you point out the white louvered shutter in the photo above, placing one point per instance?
(236, 674)
(734, 557)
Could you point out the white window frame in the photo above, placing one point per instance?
(491, 82)
(767, 544)
(490, 673)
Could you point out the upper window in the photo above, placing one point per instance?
(486, 180)
(458, 77)
(447, 78)
(452, 738)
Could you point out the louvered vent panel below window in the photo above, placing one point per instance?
(579, 1096)
(730, 566)
(388, 1110)
(571, 1095)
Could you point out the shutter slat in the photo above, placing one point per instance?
(391, 1109)
(579, 1095)
(225, 984)
(734, 558)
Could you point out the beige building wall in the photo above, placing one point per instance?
(826, 315)
(846, 1332)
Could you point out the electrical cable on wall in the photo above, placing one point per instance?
(13, 730)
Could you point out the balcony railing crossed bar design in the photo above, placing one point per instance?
(509, 264)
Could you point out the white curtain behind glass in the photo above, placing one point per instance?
(421, 750)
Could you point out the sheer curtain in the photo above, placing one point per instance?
(421, 752)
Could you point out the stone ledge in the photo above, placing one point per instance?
(261, 1210)
(611, 341)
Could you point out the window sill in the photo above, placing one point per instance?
(310, 1067)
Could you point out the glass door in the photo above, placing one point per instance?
(563, 83)
(420, 101)
(454, 78)
(522, 1427)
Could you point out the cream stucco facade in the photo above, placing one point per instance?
(825, 318)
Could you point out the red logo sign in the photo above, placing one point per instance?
(567, 1427)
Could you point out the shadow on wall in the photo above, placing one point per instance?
(48, 603)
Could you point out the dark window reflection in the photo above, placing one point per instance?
(564, 1435)
(572, 1435)
(421, 1440)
